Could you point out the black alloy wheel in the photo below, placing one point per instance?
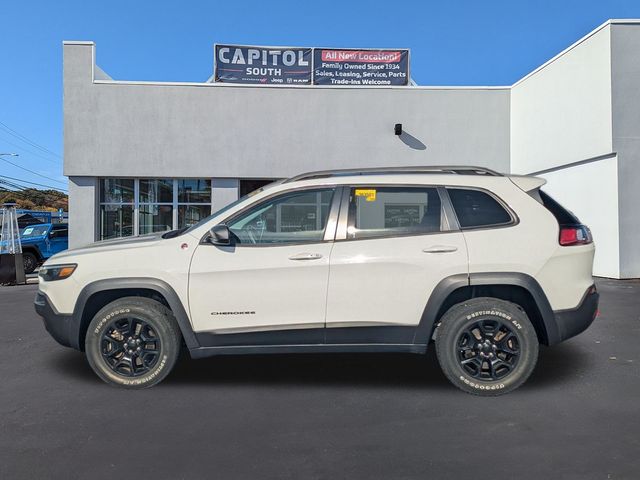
(488, 349)
(29, 262)
(130, 346)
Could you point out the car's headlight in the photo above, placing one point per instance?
(57, 272)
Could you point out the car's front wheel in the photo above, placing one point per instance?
(486, 346)
(133, 342)
(29, 261)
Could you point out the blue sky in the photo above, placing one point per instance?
(467, 42)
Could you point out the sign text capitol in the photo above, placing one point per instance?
(306, 66)
(265, 65)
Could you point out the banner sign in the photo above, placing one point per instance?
(360, 67)
(262, 65)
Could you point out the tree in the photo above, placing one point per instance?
(34, 199)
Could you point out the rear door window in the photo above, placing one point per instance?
(393, 211)
(475, 208)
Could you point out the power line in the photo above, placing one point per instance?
(34, 183)
(20, 191)
(31, 171)
(48, 197)
(12, 185)
(56, 162)
(11, 131)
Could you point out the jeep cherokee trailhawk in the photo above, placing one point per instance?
(488, 266)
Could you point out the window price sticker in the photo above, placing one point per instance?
(369, 194)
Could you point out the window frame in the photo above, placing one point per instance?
(100, 191)
(133, 205)
(343, 221)
(177, 203)
(139, 204)
(176, 191)
(329, 229)
(514, 219)
(136, 204)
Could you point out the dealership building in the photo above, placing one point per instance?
(150, 156)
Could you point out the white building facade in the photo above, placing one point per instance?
(146, 156)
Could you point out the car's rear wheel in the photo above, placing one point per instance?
(133, 342)
(29, 261)
(486, 346)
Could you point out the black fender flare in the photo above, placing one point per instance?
(35, 250)
(159, 286)
(449, 284)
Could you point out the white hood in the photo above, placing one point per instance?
(109, 245)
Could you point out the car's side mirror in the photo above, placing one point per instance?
(220, 235)
(52, 234)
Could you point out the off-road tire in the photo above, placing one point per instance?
(159, 324)
(30, 262)
(457, 343)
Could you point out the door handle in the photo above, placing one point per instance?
(306, 256)
(440, 249)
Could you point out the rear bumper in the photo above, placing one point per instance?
(572, 322)
(65, 329)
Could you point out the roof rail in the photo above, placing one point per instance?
(457, 169)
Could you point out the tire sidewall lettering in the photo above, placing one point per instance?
(147, 378)
(108, 317)
(494, 313)
(480, 386)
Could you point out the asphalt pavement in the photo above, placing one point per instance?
(374, 416)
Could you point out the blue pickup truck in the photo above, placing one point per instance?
(40, 241)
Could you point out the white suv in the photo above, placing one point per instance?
(486, 265)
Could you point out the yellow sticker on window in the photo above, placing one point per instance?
(369, 194)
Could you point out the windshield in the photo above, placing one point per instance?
(34, 231)
(228, 207)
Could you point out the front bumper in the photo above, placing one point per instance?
(572, 322)
(65, 329)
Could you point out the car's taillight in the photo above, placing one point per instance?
(575, 235)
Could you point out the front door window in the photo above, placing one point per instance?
(294, 217)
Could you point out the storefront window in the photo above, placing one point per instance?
(117, 190)
(194, 201)
(116, 207)
(191, 214)
(156, 191)
(192, 190)
(116, 221)
(139, 206)
(155, 218)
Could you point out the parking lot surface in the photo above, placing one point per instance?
(322, 416)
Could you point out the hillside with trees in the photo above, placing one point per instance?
(34, 199)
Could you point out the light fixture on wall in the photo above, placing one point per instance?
(397, 129)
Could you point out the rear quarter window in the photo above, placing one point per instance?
(475, 208)
(563, 216)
